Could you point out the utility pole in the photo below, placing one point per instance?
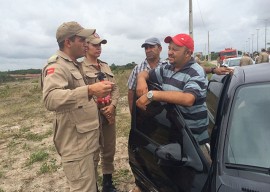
(190, 19)
(209, 54)
(204, 53)
(265, 32)
(257, 40)
(249, 45)
(252, 35)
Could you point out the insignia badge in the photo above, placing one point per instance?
(50, 71)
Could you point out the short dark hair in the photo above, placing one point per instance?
(61, 44)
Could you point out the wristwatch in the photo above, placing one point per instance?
(150, 95)
(212, 70)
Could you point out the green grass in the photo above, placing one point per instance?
(26, 134)
(122, 125)
(48, 167)
(5, 91)
(26, 146)
(12, 144)
(1, 174)
(37, 156)
(37, 136)
(122, 175)
(20, 101)
(121, 77)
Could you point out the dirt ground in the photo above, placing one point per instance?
(26, 135)
(18, 177)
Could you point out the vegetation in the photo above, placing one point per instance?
(25, 71)
(48, 167)
(28, 154)
(11, 76)
(5, 77)
(37, 156)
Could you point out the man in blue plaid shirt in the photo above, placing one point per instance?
(152, 47)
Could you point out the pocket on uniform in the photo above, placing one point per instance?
(84, 113)
(72, 170)
(91, 77)
(109, 76)
(85, 118)
(78, 79)
(84, 127)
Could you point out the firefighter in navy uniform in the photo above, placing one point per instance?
(76, 123)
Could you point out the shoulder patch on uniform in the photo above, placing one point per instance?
(49, 71)
(52, 59)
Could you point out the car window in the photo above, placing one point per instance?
(156, 125)
(212, 99)
(249, 130)
(235, 62)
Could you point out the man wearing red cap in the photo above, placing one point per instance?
(184, 83)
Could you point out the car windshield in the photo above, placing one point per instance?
(228, 53)
(249, 129)
(235, 62)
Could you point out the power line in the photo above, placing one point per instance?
(201, 14)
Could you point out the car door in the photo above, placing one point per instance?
(163, 154)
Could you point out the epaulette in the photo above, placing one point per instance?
(99, 61)
(52, 59)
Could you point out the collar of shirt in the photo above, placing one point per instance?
(145, 63)
(87, 63)
(63, 55)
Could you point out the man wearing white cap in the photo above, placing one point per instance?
(152, 47)
(76, 123)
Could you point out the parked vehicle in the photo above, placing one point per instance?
(233, 62)
(165, 157)
(228, 53)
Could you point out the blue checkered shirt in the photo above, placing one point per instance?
(144, 66)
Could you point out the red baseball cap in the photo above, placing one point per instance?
(181, 40)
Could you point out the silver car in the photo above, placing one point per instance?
(233, 62)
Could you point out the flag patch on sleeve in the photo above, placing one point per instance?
(50, 71)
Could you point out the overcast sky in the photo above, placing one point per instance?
(27, 30)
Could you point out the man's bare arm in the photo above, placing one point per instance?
(174, 97)
(130, 99)
(141, 83)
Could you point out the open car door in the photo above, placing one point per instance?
(163, 154)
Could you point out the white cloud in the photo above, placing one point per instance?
(28, 27)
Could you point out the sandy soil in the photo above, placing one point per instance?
(15, 175)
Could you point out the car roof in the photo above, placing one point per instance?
(253, 73)
(234, 58)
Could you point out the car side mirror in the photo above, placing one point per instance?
(170, 155)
